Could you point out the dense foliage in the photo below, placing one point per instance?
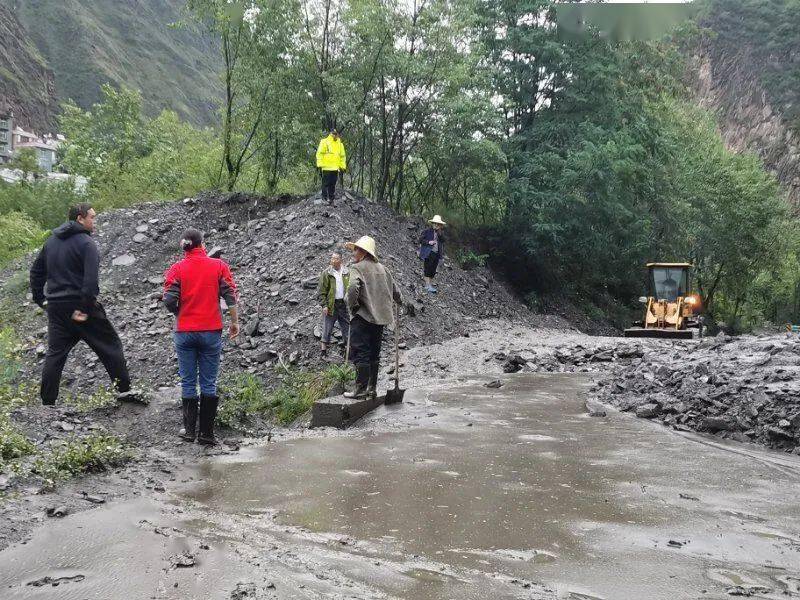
(612, 166)
(130, 157)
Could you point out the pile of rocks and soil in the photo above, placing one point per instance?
(743, 388)
(276, 248)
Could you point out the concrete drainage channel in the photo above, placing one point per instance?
(467, 492)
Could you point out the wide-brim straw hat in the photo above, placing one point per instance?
(437, 220)
(366, 243)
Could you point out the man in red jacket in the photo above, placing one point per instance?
(192, 289)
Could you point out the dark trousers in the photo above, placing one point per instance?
(339, 315)
(429, 267)
(329, 179)
(365, 341)
(63, 334)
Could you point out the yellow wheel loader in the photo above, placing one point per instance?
(671, 309)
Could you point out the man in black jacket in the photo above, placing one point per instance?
(68, 264)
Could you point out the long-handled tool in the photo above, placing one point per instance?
(396, 395)
(347, 351)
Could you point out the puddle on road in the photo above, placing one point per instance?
(587, 505)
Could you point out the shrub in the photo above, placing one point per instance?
(20, 235)
(44, 202)
(533, 302)
(470, 260)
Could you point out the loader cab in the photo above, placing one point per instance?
(670, 306)
(669, 281)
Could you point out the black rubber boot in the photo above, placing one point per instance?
(208, 412)
(372, 386)
(362, 382)
(189, 419)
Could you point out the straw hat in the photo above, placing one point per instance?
(437, 220)
(366, 243)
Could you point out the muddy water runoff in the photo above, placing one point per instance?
(473, 492)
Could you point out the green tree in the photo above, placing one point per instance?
(255, 39)
(104, 141)
(27, 161)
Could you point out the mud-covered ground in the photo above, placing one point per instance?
(151, 430)
(489, 486)
(276, 248)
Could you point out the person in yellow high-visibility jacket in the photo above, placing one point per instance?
(331, 160)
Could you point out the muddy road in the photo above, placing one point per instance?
(462, 492)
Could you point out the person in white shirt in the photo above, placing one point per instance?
(332, 288)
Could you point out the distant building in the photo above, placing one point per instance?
(45, 152)
(21, 136)
(45, 147)
(6, 136)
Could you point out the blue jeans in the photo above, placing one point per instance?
(198, 354)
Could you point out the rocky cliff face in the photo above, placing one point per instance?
(728, 83)
(27, 86)
(124, 42)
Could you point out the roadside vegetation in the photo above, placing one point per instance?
(56, 459)
(578, 163)
(247, 403)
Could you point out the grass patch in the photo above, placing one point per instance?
(104, 396)
(13, 393)
(78, 455)
(70, 457)
(13, 444)
(245, 397)
(9, 356)
(300, 389)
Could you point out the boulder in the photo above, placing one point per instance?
(124, 260)
(721, 423)
(648, 411)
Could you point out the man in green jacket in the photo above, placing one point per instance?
(332, 289)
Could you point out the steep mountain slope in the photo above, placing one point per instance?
(26, 83)
(748, 72)
(130, 42)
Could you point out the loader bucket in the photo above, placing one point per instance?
(654, 332)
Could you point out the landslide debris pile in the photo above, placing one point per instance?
(276, 248)
(745, 389)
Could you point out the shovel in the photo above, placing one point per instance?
(396, 395)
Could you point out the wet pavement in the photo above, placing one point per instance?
(464, 493)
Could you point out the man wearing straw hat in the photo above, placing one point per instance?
(370, 298)
(431, 249)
